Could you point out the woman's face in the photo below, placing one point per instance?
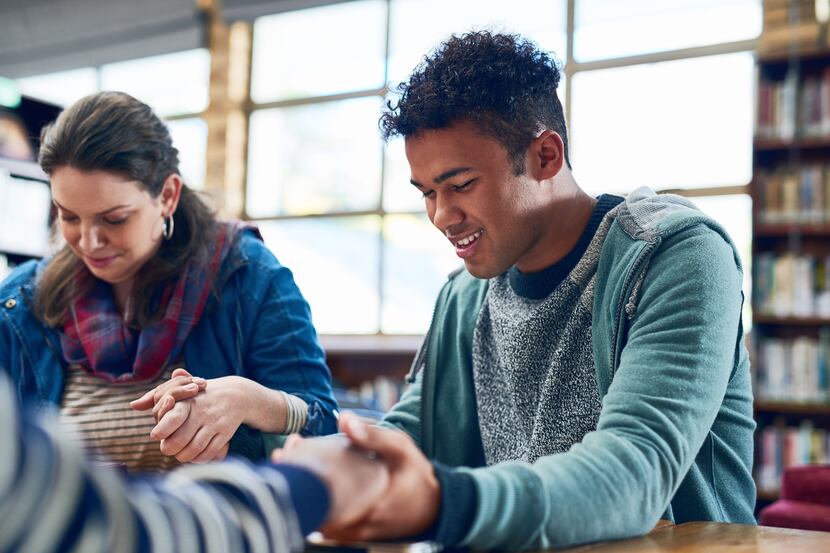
(110, 222)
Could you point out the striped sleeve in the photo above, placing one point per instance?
(51, 499)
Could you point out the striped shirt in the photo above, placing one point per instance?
(111, 432)
(109, 429)
(51, 499)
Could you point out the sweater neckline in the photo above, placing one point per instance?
(539, 284)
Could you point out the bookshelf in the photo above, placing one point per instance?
(791, 241)
(371, 369)
(797, 408)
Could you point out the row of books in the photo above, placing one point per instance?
(381, 393)
(799, 196)
(780, 446)
(776, 111)
(794, 107)
(789, 285)
(793, 369)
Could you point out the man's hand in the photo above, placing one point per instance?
(355, 480)
(411, 501)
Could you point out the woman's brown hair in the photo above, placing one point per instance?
(114, 132)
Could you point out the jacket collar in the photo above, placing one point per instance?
(646, 215)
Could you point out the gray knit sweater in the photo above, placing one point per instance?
(533, 366)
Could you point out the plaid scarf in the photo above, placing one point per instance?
(96, 337)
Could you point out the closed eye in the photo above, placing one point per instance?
(464, 186)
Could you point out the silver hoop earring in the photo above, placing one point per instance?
(169, 225)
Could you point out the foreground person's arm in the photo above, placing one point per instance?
(51, 499)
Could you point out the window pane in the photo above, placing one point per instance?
(190, 138)
(24, 215)
(61, 88)
(419, 25)
(335, 264)
(734, 212)
(612, 29)
(674, 124)
(316, 158)
(417, 261)
(398, 192)
(170, 84)
(319, 51)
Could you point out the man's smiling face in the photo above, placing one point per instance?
(474, 197)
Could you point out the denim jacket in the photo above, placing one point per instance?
(258, 326)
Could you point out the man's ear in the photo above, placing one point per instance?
(171, 192)
(547, 155)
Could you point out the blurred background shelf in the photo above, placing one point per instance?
(791, 242)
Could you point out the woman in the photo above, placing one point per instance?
(148, 282)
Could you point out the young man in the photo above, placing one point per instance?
(585, 375)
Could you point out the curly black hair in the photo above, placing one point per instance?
(502, 83)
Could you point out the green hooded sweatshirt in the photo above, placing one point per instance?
(675, 434)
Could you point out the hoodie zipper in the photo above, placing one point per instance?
(625, 314)
(427, 354)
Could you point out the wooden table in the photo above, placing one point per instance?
(716, 537)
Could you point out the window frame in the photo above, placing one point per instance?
(571, 67)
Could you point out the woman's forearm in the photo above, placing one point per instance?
(272, 410)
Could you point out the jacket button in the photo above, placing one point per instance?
(11, 303)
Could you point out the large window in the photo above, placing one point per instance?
(674, 124)
(656, 93)
(608, 29)
(174, 85)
